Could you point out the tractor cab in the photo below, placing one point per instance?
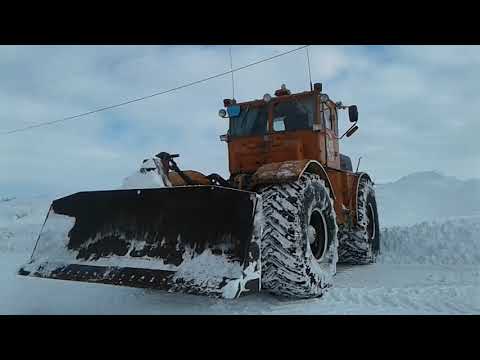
(284, 127)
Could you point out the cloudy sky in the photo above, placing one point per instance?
(418, 108)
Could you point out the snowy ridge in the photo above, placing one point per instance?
(426, 196)
(455, 241)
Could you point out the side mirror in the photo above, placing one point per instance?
(353, 113)
(351, 131)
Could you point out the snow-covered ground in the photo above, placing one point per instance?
(424, 269)
(372, 289)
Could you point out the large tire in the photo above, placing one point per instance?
(360, 244)
(299, 241)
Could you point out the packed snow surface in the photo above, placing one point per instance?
(425, 268)
(371, 289)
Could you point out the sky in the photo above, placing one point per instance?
(417, 108)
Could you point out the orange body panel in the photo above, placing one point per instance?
(247, 154)
(344, 184)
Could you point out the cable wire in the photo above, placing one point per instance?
(309, 72)
(151, 95)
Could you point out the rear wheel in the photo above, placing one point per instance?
(299, 242)
(360, 244)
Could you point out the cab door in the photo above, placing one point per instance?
(330, 126)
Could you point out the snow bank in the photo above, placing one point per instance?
(20, 222)
(23, 211)
(453, 242)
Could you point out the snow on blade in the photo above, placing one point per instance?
(149, 180)
(52, 244)
(211, 272)
(147, 177)
(54, 238)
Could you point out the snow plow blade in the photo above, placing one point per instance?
(193, 239)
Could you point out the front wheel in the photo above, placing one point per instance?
(299, 242)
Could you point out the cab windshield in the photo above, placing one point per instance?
(293, 115)
(296, 114)
(251, 121)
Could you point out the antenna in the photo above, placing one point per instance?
(358, 164)
(231, 69)
(309, 73)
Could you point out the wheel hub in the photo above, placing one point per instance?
(317, 234)
(312, 234)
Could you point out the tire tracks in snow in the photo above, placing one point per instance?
(439, 299)
(433, 299)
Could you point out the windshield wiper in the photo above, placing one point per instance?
(246, 112)
(304, 107)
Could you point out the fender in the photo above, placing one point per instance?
(289, 171)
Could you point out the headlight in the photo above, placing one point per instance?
(222, 113)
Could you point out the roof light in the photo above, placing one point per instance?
(324, 98)
(267, 98)
(317, 87)
(282, 91)
(222, 113)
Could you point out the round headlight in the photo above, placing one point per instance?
(267, 97)
(222, 113)
(324, 98)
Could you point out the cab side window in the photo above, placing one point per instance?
(335, 121)
(327, 117)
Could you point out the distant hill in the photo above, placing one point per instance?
(427, 196)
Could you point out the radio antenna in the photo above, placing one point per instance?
(231, 69)
(309, 72)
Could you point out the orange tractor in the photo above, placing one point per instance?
(292, 208)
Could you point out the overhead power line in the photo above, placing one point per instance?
(46, 123)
